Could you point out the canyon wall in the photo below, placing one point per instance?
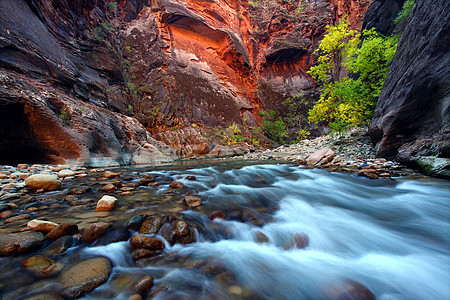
(412, 117)
(109, 77)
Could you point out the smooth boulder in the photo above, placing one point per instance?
(85, 277)
(321, 157)
(17, 243)
(41, 225)
(43, 181)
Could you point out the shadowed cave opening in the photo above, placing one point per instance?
(17, 141)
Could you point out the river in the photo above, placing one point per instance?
(391, 236)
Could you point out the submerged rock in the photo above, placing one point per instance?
(41, 265)
(62, 230)
(176, 185)
(151, 225)
(142, 241)
(192, 201)
(18, 243)
(85, 277)
(94, 231)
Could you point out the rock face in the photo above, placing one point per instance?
(89, 83)
(412, 116)
(381, 15)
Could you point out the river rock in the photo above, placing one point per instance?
(143, 285)
(151, 225)
(191, 177)
(142, 241)
(109, 187)
(94, 231)
(135, 223)
(5, 214)
(176, 185)
(62, 230)
(301, 240)
(106, 203)
(139, 253)
(41, 225)
(17, 218)
(41, 265)
(349, 289)
(85, 277)
(43, 181)
(192, 201)
(261, 237)
(59, 246)
(109, 174)
(65, 173)
(320, 157)
(217, 214)
(178, 231)
(45, 296)
(80, 190)
(17, 243)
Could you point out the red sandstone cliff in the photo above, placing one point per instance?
(179, 67)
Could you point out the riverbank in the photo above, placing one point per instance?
(350, 152)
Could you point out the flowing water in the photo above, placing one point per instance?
(390, 236)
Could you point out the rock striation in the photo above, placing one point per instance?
(412, 117)
(115, 82)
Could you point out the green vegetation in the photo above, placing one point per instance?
(274, 127)
(65, 114)
(403, 15)
(349, 101)
(112, 6)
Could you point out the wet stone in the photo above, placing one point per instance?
(261, 237)
(176, 185)
(142, 241)
(143, 253)
(143, 285)
(192, 201)
(85, 277)
(43, 182)
(217, 214)
(80, 190)
(5, 214)
(135, 223)
(109, 174)
(94, 231)
(41, 225)
(41, 265)
(45, 296)
(62, 230)
(17, 218)
(106, 203)
(151, 225)
(59, 246)
(11, 244)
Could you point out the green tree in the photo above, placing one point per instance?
(403, 15)
(350, 101)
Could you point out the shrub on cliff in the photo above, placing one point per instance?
(348, 101)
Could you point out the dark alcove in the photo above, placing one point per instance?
(17, 141)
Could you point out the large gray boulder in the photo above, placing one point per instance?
(412, 116)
